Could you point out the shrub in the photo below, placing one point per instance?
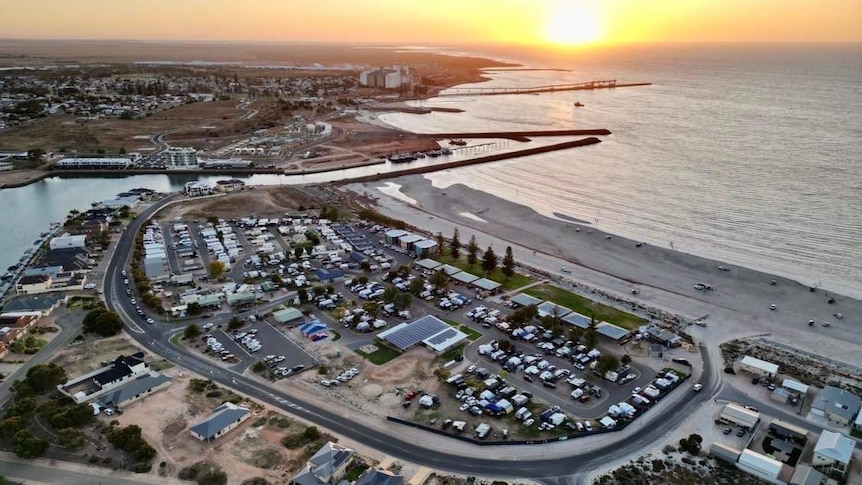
(657, 466)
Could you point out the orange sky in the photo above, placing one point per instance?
(566, 22)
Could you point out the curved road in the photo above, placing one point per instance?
(569, 469)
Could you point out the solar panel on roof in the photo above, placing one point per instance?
(407, 335)
(442, 336)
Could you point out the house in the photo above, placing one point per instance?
(832, 453)
(758, 367)
(222, 420)
(230, 185)
(836, 405)
(139, 388)
(101, 381)
(34, 284)
(378, 476)
(197, 189)
(326, 467)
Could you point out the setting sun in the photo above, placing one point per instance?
(573, 25)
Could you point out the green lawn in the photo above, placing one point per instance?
(471, 334)
(586, 307)
(516, 281)
(382, 355)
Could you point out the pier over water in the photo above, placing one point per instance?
(589, 85)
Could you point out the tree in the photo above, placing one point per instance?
(297, 252)
(439, 279)
(607, 362)
(441, 243)
(455, 245)
(129, 439)
(192, 332)
(472, 251)
(417, 286)
(365, 266)
(71, 438)
(692, 444)
(403, 300)
(26, 445)
(591, 337)
(102, 322)
(311, 433)
(362, 280)
(234, 323)
(194, 308)
(505, 345)
(371, 307)
(45, 377)
(389, 294)
(302, 293)
(216, 270)
(489, 260)
(626, 359)
(441, 374)
(509, 263)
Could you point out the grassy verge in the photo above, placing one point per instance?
(452, 353)
(856, 433)
(382, 355)
(175, 340)
(586, 307)
(471, 334)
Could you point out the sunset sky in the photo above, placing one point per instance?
(556, 22)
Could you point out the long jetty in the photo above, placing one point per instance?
(473, 161)
(522, 135)
(550, 88)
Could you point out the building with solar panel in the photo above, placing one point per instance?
(429, 330)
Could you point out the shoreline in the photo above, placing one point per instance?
(665, 278)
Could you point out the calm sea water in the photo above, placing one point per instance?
(749, 154)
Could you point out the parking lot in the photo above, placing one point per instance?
(257, 340)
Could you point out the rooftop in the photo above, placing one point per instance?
(406, 335)
(768, 367)
(835, 446)
(838, 402)
(220, 419)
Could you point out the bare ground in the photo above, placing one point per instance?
(260, 201)
(83, 357)
(166, 416)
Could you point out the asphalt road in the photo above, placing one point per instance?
(156, 338)
(47, 471)
(70, 323)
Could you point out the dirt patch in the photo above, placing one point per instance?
(87, 136)
(374, 141)
(83, 357)
(274, 200)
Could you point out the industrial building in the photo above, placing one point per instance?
(93, 163)
(758, 367)
(737, 415)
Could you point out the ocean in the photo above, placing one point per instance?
(749, 153)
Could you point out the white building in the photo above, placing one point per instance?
(94, 163)
(758, 367)
(67, 242)
(833, 452)
(179, 157)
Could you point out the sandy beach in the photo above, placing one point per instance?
(738, 306)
